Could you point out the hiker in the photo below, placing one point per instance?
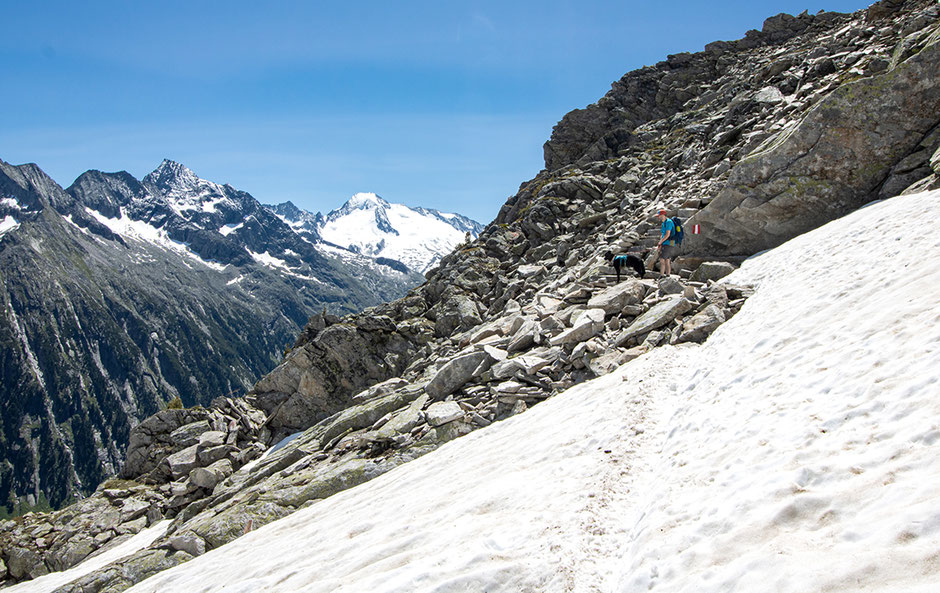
(667, 245)
(629, 260)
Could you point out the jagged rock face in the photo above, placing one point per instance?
(531, 307)
(120, 295)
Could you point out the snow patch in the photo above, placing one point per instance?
(270, 261)
(228, 229)
(8, 224)
(11, 203)
(141, 231)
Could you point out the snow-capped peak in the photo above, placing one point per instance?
(365, 200)
(417, 237)
(172, 174)
(183, 189)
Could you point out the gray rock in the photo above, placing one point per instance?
(669, 285)
(183, 462)
(188, 542)
(530, 271)
(702, 324)
(21, 561)
(455, 373)
(365, 415)
(440, 413)
(404, 421)
(588, 325)
(211, 438)
(3, 569)
(208, 456)
(659, 315)
(133, 508)
(204, 477)
(496, 354)
(528, 334)
(711, 271)
(612, 300)
(188, 434)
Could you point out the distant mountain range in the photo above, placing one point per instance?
(119, 295)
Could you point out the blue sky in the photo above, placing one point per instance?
(437, 104)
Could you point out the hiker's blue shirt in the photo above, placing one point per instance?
(670, 227)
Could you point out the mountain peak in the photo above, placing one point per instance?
(172, 173)
(365, 201)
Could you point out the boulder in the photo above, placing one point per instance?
(659, 315)
(497, 354)
(188, 542)
(455, 373)
(713, 270)
(211, 438)
(207, 477)
(587, 325)
(702, 324)
(440, 413)
(528, 334)
(133, 508)
(21, 562)
(183, 462)
(612, 300)
(669, 285)
(188, 434)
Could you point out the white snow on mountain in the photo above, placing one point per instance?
(139, 230)
(374, 227)
(796, 450)
(8, 223)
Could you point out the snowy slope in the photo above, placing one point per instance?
(796, 450)
(417, 237)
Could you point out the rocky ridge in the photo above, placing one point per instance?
(531, 307)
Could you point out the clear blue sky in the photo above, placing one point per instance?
(431, 103)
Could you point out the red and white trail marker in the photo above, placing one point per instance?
(695, 229)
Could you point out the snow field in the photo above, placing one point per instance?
(802, 452)
(795, 451)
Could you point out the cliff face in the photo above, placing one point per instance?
(754, 140)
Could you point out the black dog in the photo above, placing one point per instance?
(629, 260)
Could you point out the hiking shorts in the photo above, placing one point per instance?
(669, 252)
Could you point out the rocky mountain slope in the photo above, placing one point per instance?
(120, 295)
(367, 224)
(772, 457)
(755, 140)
